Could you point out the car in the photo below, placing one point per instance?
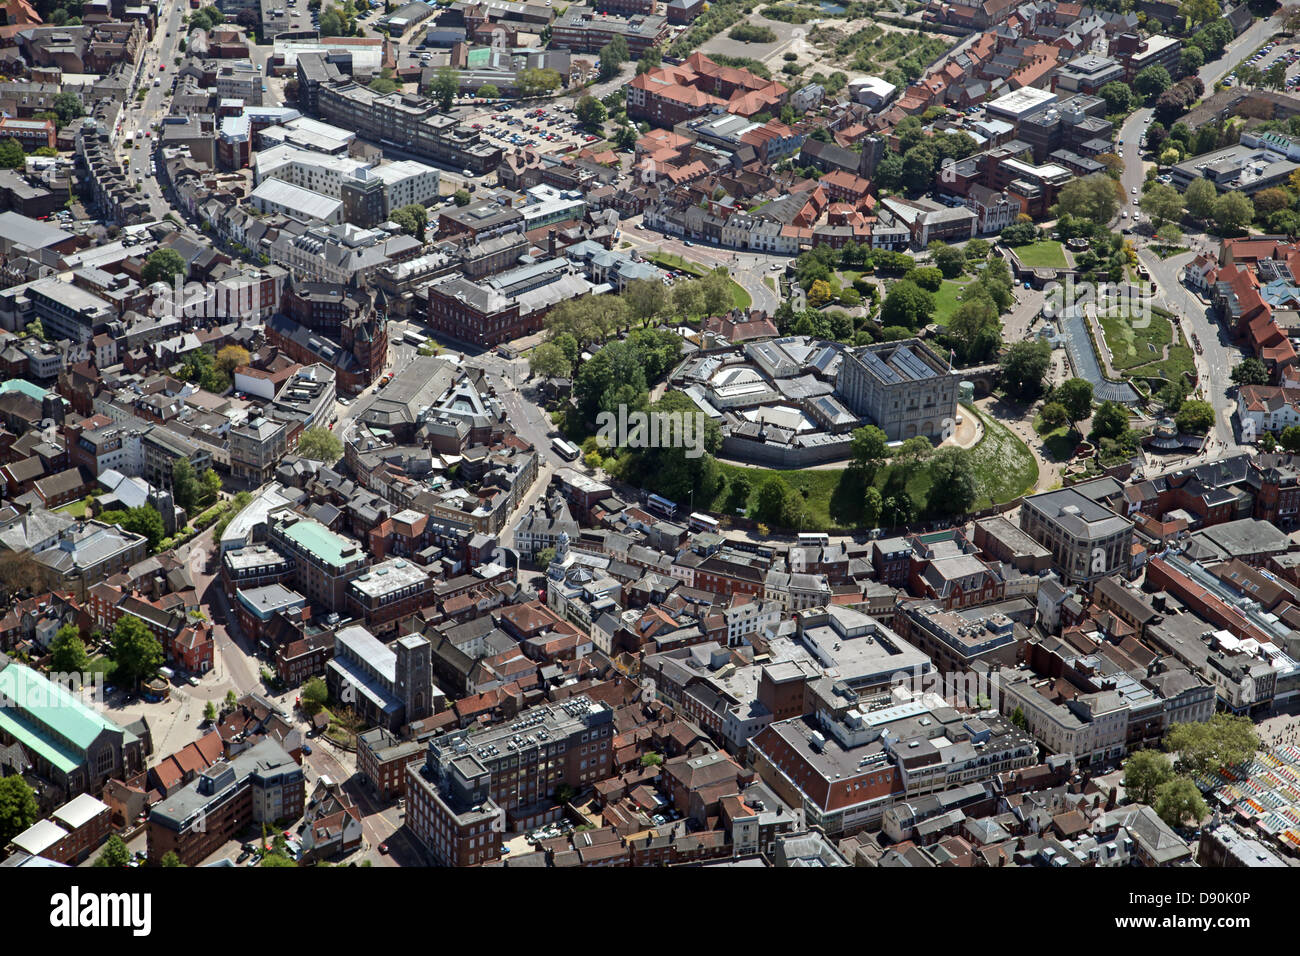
(193, 680)
(244, 855)
(1134, 190)
(383, 848)
(1136, 201)
(688, 243)
(306, 748)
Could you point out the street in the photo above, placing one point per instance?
(749, 269)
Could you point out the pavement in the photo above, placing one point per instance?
(1219, 356)
(748, 269)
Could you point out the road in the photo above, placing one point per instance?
(749, 269)
(1131, 132)
(1220, 355)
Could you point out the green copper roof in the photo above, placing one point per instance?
(319, 540)
(47, 718)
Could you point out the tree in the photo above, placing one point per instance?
(115, 853)
(1152, 81)
(11, 155)
(68, 107)
(738, 491)
(908, 305)
(1197, 12)
(1290, 439)
(1075, 396)
(383, 85)
(320, 444)
(1225, 740)
(18, 807)
(1190, 60)
(1162, 203)
(873, 506)
(538, 82)
(973, 328)
(231, 701)
(1250, 371)
(778, 503)
(170, 859)
(136, 651)
(1195, 417)
(144, 520)
(1109, 421)
(161, 265)
(869, 447)
(314, 695)
(544, 557)
(489, 92)
(1092, 197)
(445, 86)
(1200, 197)
(1118, 97)
(209, 711)
(1172, 394)
(185, 486)
(647, 299)
(36, 329)
(1179, 799)
(1232, 212)
(590, 112)
(331, 23)
(950, 260)
(1053, 415)
(953, 485)
(612, 57)
(1144, 773)
(549, 361)
(929, 278)
(412, 223)
(232, 357)
(210, 482)
(1024, 367)
(68, 651)
(462, 197)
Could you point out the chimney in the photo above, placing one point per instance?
(551, 242)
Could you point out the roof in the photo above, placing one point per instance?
(47, 718)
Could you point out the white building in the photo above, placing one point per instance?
(278, 196)
(1269, 407)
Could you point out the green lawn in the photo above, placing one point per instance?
(946, 299)
(76, 509)
(740, 299)
(1045, 253)
(1004, 468)
(1137, 349)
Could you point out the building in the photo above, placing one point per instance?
(388, 593)
(69, 744)
(475, 781)
(323, 561)
(388, 688)
(904, 387)
(262, 784)
(382, 759)
(845, 771)
(1088, 541)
